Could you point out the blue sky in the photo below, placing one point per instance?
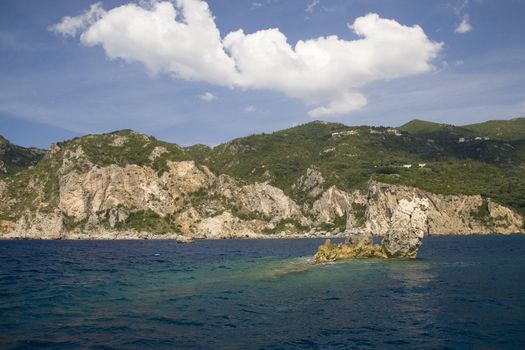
(55, 86)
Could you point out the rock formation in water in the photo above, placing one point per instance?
(330, 252)
(401, 240)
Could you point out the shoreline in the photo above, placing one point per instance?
(189, 240)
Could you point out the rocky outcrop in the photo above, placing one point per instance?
(329, 252)
(39, 225)
(157, 152)
(227, 225)
(311, 183)
(409, 225)
(188, 200)
(335, 203)
(138, 188)
(403, 215)
(402, 240)
(3, 187)
(7, 227)
(269, 201)
(440, 214)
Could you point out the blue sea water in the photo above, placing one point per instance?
(461, 293)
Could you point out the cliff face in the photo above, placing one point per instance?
(187, 199)
(437, 214)
(128, 185)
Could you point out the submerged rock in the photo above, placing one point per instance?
(329, 252)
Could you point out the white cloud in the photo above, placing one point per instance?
(70, 26)
(464, 26)
(311, 6)
(208, 97)
(348, 101)
(250, 109)
(182, 39)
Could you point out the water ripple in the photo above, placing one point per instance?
(260, 295)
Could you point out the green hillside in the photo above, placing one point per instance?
(125, 147)
(117, 148)
(426, 128)
(504, 130)
(508, 130)
(494, 141)
(16, 158)
(349, 156)
(435, 157)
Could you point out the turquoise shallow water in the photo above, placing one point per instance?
(461, 293)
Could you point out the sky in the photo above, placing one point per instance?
(195, 71)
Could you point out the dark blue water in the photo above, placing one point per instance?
(462, 293)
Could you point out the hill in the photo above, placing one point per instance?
(124, 147)
(317, 175)
(503, 130)
(421, 154)
(508, 130)
(431, 129)
(15, 158)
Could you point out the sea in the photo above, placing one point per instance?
(460, 293)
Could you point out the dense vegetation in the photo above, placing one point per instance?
(477, 159)
(127, 147)
(15, 158)
(508, 130)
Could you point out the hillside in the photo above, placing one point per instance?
(15, 158)
(431, 129)
(125, 147)
(317, 176)
(508, 130)
(503, 130)
(429, 156)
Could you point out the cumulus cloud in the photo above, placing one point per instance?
(70, 26)
(208, 97)
(464, 26)
(182, 39)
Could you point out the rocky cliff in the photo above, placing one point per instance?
(187, 199)
(126, 185)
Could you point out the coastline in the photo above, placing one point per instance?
(185, 239)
